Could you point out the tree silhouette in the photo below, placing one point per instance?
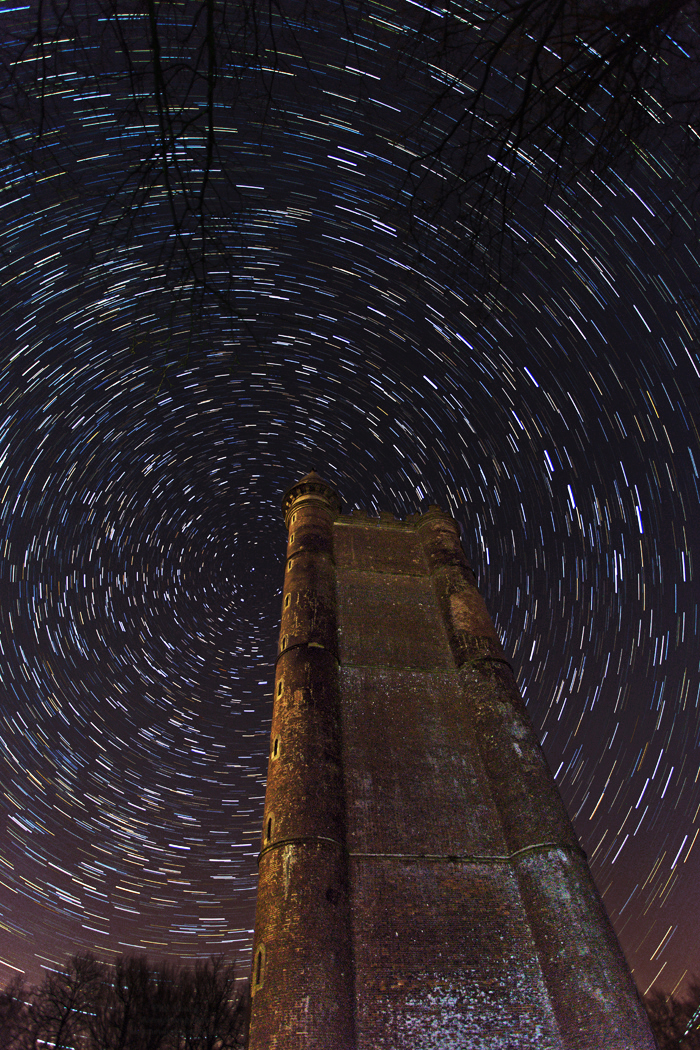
(57, 1010)
(537, 94)
(16, 1027)
(515, 101)
(675, 1021)
(130, 1005)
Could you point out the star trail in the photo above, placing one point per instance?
(148, 428)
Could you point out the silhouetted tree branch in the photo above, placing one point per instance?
(16, 1027)
(520, 98)
(539, 93)
(59, 1006)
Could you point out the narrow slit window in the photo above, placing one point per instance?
(276, 747)
(279, 687)
(286, 601)
(284, 642)
(259, 968)
(294, 517)
(291, 537)
(289, 564)
(268, 830)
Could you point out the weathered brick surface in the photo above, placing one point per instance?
(390, 620)
(421, 886)
(304, 1001)
(305, 781)
(529, 805)
(365, 545)
(414, 778)
(589, 983)
(302, 980)
(445, 958)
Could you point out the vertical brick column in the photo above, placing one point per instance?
(587, 978)
(302, 981)
(528, 801)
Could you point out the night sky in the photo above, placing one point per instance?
(148, 432)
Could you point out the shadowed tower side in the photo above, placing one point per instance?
(421, 885)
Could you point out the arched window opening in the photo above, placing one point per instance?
(279, 688)
(268, 829)
(286, 601)
(276, 747)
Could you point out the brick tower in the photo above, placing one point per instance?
(420, 885)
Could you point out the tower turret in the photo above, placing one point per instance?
(302, 984)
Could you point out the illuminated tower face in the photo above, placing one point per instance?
(421, 886)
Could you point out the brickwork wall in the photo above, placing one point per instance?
(436, 935)
(445, 959)
(469, 895)
(304, 1000)
(414, 779)
(589, 983)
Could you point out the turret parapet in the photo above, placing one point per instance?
(433, 514)
(359, 516)
(311, 486)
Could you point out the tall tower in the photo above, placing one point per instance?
(421, 885)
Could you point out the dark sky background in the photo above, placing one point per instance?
(145, 445)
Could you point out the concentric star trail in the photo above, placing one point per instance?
(146, 438)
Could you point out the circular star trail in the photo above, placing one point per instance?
(147, 435)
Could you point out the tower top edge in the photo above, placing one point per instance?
(312, 484)
(433, 515)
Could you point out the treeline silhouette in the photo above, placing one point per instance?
(127, 1005)
(675, 1020)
